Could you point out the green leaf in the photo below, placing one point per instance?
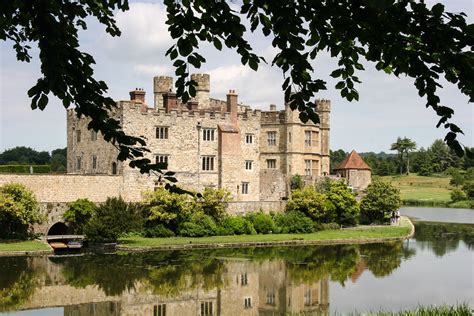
(217, 43)
(43, 101)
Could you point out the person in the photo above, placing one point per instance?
(397, 217)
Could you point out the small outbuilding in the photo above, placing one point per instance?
(354, 169)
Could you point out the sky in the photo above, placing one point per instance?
(389, 107)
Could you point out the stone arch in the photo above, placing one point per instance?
(58, 228)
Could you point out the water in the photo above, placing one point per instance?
(434, 267)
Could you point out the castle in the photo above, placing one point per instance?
(207, 143)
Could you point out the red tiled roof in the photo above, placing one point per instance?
(353, 161)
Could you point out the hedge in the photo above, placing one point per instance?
(24, 168)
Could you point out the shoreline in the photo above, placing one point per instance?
(297, 240)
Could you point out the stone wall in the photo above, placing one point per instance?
(66, 188)
(240, 208)
(359, 179)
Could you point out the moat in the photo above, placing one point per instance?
(434, 267)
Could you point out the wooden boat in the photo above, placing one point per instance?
(58, 245)
(74, 244)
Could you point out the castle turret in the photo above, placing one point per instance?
(161, 85)
(202, 90)
(323, 108)
(232, 106)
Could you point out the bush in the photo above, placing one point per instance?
(166, 208)
(312, 204)
(214, 202)
(200, 225)
(468, 188)
(24, 168)
(263, 223)
(18, 211)
(324, 226)
(296, 182)
(236, 225)
(458, 195)
(158, 230)
(341, 201)
(381, 199)
(78, 214)
(293, 222)
(112, 219)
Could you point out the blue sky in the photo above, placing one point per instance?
(389, 107)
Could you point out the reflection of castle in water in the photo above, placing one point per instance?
(247, 288)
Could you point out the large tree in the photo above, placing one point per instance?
(404, 37)
(404, 146)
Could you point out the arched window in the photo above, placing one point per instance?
(114, 168)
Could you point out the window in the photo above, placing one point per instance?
(307, 297)
(271, 137)
(307, 167)
(289, 137)
(159, 310)
(243, 279)
(162, 132)
(206, 309)
(78, 163)
(94, 162)
(249, 138)
(307, 138)
(208, 134)
(208, 163)
(93, 135)
(271, 163)
(78, 136)
(315, 167)
(248, 302)
(162, 159)
(248, 164)
(271, 297)
(114, 168)
(245, 189)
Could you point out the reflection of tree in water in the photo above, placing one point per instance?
(382, 259)
(444, 237)
(18, 281)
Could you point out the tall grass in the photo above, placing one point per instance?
(445, 310)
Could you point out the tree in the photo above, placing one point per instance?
(58, 160)
(403, 38)
(24, 155)
(18, 211)
(403, 146)
(311, 203)
(341, 201)
(78, 214)
(380, 200)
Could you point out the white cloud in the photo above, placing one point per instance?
(150, 70)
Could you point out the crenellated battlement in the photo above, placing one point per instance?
(323, 105)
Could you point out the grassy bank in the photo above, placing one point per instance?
(361, 233)
(22, 245)
(457, 310)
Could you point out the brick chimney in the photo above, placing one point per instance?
(232, 106)
(137, 95)
(192, 105)
(273, 107)
(170, 102)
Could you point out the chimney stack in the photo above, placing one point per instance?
(192, 105)
(273, 107)
(137, 95)
(170, 102)
(232, 106)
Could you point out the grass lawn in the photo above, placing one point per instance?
(23, 245)
(414, 187)
(351, 234)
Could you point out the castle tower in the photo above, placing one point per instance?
(161, 85)
(323, 108)
(202, 90)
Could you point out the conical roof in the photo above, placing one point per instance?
(353, 161)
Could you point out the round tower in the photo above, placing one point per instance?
(202, 90)
(161, 85)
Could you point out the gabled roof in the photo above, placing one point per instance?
(353, 161)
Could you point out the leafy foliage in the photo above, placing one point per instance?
(24, 168)
(263, 223)
(214, 202)
(296, 182)
(293, 222)
(112, 219)
(199, 225)
(236, 225)
(78, 214)
(342, 202)
(458, 195)
(24, 155)
(380, 200)
(18, 211)
(403, 146)
(312, 204)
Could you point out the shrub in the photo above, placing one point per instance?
(458, 195)
(323, 184)
(236, 225)
(24, 168)
(468, 188)
(214, 202)
(169, 209)
(263, 223)
(78, 214)
(293, 222)
(18, 211)
(312, 204)
(158, 230)
(381, 199)
(112, 219)
(200, 225)
(341, 201)
(326, 226)
(296, 182)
